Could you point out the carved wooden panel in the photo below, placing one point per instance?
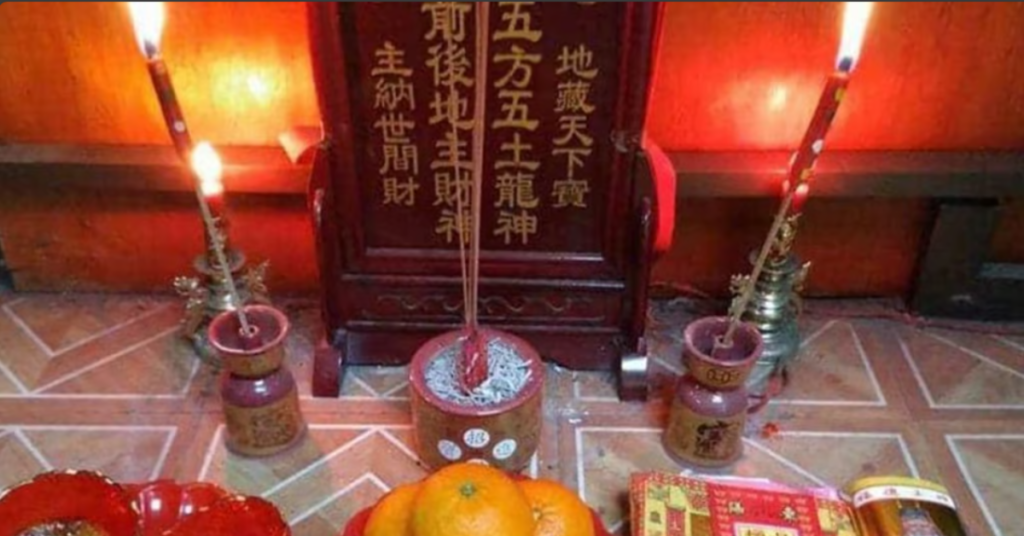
(562, 228)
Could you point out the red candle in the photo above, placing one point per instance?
(148, 21)
(208, 169)
(801, 166)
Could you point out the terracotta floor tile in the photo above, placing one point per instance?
(313, 478)
(951, 375)
(376, 382)
(993, 467)
(127, 453)
(18, 462)
(162, 367)
(8, 386)
(832, 368)
(60, 322)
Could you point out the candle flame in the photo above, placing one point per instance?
(207, 166)
(148, 21)
(855, 23)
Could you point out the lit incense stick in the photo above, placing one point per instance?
(207, 167)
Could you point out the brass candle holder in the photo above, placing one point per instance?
(214, 290)
(208, 294)
(775, 307)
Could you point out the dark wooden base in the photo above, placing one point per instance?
(327, 368)
(956, 279)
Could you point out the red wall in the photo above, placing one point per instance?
(932, 75)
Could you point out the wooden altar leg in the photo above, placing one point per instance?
(633, 374)
(328, 360)
(633, 365)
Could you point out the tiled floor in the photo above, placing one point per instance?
(105, 383)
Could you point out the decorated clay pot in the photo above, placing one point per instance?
(504, 435)
(261, 415)
(729, 367)
(709, 409)
(250, 360)
(261, 411)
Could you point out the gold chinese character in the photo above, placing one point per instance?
(400, 193)
(574, 158)
(391, 93)
(516, 113)
(400, 158)
(522, 64)
(447, 19)
(451, 225)
(394, 127)
(441, 110)
(518, 23)
(574, 127)
(572, 97)
(450, 186)
(570, 193)
(578, 62)
(449, 64)
(517, 148)
(521, 225)
(451, 153)
(515, 190)
(390, 60)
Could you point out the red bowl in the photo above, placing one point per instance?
(69, 495)
(160, 508)
(234, 516)
(165, 503)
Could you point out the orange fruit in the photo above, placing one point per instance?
(557, 511)
(471, 500)
(392, 514)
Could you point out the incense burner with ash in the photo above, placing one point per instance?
(497, 421)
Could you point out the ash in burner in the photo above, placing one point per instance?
(64, 528)
(507, 375)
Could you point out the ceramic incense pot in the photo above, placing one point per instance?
(709, 408)
(258, 393)
(504, 434)
(247, 359)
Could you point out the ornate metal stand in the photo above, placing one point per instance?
(774, 311)
(207, 296)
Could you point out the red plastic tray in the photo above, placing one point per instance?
(160, 508)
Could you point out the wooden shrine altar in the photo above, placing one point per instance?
(570, 202)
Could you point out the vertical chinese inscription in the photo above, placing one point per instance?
(516, 54)
(449, 106)
(575, 72)
(394, 101)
